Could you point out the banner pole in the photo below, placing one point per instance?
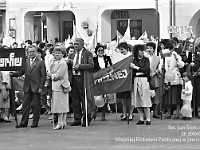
(116, 105)
(52, 110)
(86, 117)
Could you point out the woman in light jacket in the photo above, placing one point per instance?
(172, 93)
(141, 90)
(154, 76)
(60, 87)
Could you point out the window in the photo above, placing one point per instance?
(135, 27)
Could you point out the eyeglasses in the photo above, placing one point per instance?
(101, 50)
(76, 44)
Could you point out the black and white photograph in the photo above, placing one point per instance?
(99, 74)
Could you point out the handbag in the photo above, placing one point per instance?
(66, 90)
(152, 83)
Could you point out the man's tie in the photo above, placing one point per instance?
(77, 62)
(32, 63)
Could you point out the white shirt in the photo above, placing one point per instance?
(79, 61)
(32, 60)
(188, 92)
(101, 62)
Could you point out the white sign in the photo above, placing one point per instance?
(180, 29)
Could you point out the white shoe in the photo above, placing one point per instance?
(19, 108)
(50, 118)
(31, 116)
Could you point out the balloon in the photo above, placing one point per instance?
(99, 101)
(169, 76)
(186, 111)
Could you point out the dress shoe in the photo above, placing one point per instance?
(130, 118)
(94, 116)
(156, 116)
(176, 117)
(20, 126)
(34, 126)
(54, 121)
(110, 111)
(6, 120)
(140, 122)
(124, 118)
(31, 116)
(76, 123)
(84, 124)
(58, 127)
(167, 116)
(148, 122)
(183, 118)
(103, 117)
(1, 120)
(188, 118)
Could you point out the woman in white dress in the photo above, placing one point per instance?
(60, 87)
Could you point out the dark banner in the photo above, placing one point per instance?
(114, 79)
(12, 59)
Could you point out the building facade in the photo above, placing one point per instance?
(40, 20)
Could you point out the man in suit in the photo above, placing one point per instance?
(35, 76)
(82, 66)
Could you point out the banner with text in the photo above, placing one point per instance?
(114, 79)
(12, 59)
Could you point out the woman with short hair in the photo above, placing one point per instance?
(60, 87)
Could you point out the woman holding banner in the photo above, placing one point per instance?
(101, 61)
(125, 96)
(141, 90)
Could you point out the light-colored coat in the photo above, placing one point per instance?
(60, 99)
(172, 65)
(60, 70)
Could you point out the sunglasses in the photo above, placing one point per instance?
(76, 43)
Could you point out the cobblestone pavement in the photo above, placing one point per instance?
(112, 134)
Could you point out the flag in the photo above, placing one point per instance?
(114, 79)
(119, 37)
(116, 56)
(76, 33)
(67, 42)
(93, 42)
(127, 34)
(143, 36)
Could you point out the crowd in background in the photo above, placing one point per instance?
(163, 85)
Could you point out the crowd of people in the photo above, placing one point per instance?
(166, 85)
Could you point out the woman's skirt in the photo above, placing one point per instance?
(141, 94)
(172, 96)
(60, 102)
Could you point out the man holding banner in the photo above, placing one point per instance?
(11, 60)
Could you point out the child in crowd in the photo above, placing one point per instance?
(186, 96)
